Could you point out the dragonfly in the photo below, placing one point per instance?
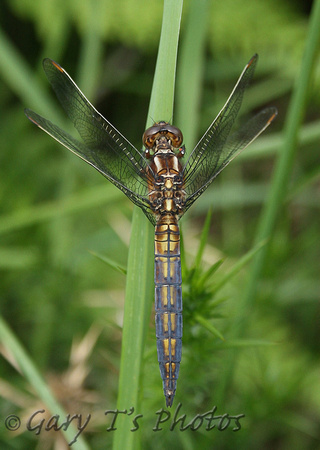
(157, 180)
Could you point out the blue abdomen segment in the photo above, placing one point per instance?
(168, 302)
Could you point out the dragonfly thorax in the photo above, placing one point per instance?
(166, 192)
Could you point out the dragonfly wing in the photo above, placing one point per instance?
(92, 157)
(234, 145)
(115, 155)
(217, 148)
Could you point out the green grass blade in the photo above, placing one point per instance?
(36, 381)
(203, 239)
(22, 80)
(162, 97)
(279, 187)
(190, 70)
(74, 204)
(139, 292)
(110, 262)
(208, 325)
(239, 265)
(205, 277)
(17, 257)
(271, 144)
(91, 51)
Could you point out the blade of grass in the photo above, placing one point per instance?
(17, 258)
(162, 96)
(279, 187)
(91, 51)
(39, 385)
(139, 284)
(272, 144)
(87, 199)
(208, 325)
(203, 239)
(23, 82)
(110, 262)
(239, 265)
(203, 279)
(190, 70)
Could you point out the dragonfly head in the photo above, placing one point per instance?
(162, 136)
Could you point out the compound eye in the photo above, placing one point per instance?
(148, 141)
(175, 136)
(149, 136)
(176, 139)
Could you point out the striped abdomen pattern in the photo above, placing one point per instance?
(168, 302)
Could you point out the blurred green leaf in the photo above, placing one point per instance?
(110, 263)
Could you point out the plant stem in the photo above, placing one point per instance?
(139, 285)
(279, 186)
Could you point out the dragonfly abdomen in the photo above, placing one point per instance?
(168, 302)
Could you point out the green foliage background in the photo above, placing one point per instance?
(65, 305)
